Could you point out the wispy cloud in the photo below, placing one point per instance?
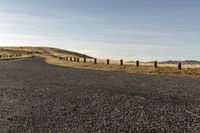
(134, 34)
(19, 37)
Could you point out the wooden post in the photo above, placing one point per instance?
(74, 59)
(108, 61)
(179, 66)
(121, 62)
(137, 63)
(155, 64)
(85, 60)
(70, 58)
(78, 59)
(95, 60)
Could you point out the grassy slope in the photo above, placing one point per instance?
(55, 52)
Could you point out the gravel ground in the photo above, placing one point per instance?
(37, 97)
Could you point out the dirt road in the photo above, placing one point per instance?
(37, 97)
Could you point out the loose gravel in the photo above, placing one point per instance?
(38, 97)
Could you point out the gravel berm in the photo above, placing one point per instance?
(38, 97)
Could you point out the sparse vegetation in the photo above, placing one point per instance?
(164, 69)
(54, 52)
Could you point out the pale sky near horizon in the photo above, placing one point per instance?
(128, 29)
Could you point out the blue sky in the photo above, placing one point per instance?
(129, 29)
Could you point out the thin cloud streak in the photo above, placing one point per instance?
(146, 31)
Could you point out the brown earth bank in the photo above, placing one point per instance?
(38, 97)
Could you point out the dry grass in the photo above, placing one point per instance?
(41, 50)
(164, 69)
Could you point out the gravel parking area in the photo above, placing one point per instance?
(38, 97)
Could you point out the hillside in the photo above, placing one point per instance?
(40, 50)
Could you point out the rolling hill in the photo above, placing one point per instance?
(56, 52)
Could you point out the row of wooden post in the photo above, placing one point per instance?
(75, 59)
(10, 56)
(137, 63)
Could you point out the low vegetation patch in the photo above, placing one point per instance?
(128, 68)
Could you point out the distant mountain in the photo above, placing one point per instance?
(183, 62)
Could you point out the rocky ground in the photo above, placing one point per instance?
(37, 97)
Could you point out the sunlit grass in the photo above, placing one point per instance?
(146, 68)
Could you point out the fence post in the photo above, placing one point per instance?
(179, 67)
(85, 60)
(95, 60)
(137, 63)
(108, 61)
(74, 59)
(78, 59)
(155, 64)
(121, 62)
